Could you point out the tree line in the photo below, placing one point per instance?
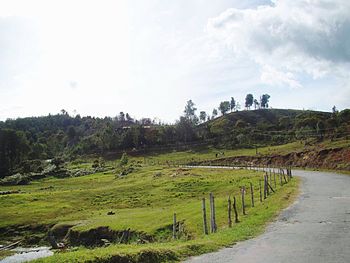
(70, 136)
(225, 107)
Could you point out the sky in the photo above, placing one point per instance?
(147, 58)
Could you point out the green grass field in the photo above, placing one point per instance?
(143, 201)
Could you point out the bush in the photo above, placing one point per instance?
(124, 159)
(96, 163)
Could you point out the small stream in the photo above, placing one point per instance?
(27, 254)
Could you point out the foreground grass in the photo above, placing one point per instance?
(147, 193)
(250, 225)
(145, 201)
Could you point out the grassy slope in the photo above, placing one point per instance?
(209, 153)
(142, 202)
(140, 198)
(136, 198)
(250, 225)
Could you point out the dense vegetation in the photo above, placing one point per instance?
(68, 136)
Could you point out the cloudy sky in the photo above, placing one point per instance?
(149, 57)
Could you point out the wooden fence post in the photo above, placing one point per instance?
(214, 217)
(229, 212)
(280, 177)
(235, 209)
(174, 226)
(252, 193)
(212, 214)
(243, 203)
(267, 182)
(265, 190)
(284, 177)
(274, 178)
(205, 225)
(260, 190)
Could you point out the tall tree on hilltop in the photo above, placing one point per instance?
(264, 101)
(249, 101)
(232, 104)
(224, 107)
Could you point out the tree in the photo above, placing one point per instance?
(13, 149)
(320, 128)
(256, 104)
(334, 109)
(232, 104)
(185, 130)
(215, 113)
(202, 116)
(190, 112)
(344, 116)
(264, 101)
(121, 116)
(224, 107)
(124, 160)
(71, 132)
(249, 101)
(128, 117)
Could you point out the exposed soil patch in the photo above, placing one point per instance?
(334, 158)
(102, 235)
(29, 235)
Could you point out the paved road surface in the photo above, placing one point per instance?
(315, 229)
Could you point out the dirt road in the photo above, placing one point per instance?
(315, 229)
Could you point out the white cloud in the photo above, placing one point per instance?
(270, 75)
(149, 57)
(289, 37)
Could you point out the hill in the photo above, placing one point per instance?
(68, 137)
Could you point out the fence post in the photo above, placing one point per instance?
(229, 212)
(280, 177)
(260, 190)
(267, 182)
(205, 225)
(174, 226)
(274, 178)
(284, 177)
(214, 218)
(265, 190)
(252, 193)
(243, 203)
(235, 209)
(212, 214)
